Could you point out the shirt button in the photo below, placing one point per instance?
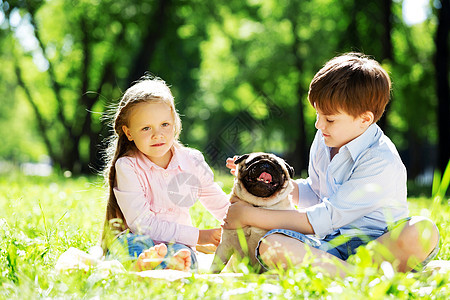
(166, 174)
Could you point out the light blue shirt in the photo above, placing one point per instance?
(359, 191)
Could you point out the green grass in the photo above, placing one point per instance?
(40, 218)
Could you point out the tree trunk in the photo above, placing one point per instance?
(161, 16)
(387, 52)
(441, 64)
(299, 158)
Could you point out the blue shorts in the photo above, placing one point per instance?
(335, 243)
(339, 245)
(137, 244)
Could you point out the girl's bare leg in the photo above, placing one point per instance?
(151, 258)
(181, 261)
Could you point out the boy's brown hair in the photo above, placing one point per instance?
(351, 83)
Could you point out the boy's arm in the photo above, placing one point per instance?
(241, 214)
(377, 187)
(305, 193)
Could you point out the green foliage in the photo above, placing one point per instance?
(42, 217)
(239, 70)
(412, 82)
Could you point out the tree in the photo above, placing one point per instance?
(442, 66)
(387, 51)
(258, 63)
(239, 70)
(92, 52)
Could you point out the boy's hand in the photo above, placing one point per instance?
(231, 165)
(236, 215)
(210, 236)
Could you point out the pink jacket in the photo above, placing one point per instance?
(156, 201)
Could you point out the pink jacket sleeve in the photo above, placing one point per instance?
(210, 195)
(136, 210)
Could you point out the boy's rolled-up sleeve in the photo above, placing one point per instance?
(306, 194)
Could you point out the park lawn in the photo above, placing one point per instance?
(40, 218)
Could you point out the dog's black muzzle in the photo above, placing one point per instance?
(263, 178)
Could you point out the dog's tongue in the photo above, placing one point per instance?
(266, 177)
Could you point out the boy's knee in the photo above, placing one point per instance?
(418, 237)
(269, 244)
(271, 251)
(423, 230)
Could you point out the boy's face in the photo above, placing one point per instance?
(341, 128)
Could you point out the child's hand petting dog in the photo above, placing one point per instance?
(262, 180)
(231, 165)
(236, 211)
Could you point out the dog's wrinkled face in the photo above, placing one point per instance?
(263, 174)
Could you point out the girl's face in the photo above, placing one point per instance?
(151, 127)
(340, 129)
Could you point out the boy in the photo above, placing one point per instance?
(356, 185)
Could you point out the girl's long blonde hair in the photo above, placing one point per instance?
(146, 90)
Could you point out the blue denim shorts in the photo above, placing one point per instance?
(338, 245)
(137, 244)
(334, 244)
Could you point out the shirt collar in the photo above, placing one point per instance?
(177, 161)
(364, 141)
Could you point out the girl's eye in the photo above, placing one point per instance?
(165, 124)
(330, 121)
(146, 128)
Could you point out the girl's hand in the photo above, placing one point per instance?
(210, 236)
(231, 165)
(237, 214)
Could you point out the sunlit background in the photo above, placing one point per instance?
(239, 70)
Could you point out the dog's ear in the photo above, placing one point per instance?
(290, 170)
(241, 158)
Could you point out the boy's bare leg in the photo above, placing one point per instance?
(278, 250)
(404, 247)
(407, 245)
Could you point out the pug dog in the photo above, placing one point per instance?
(263, 180)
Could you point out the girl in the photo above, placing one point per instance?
(153, 180)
